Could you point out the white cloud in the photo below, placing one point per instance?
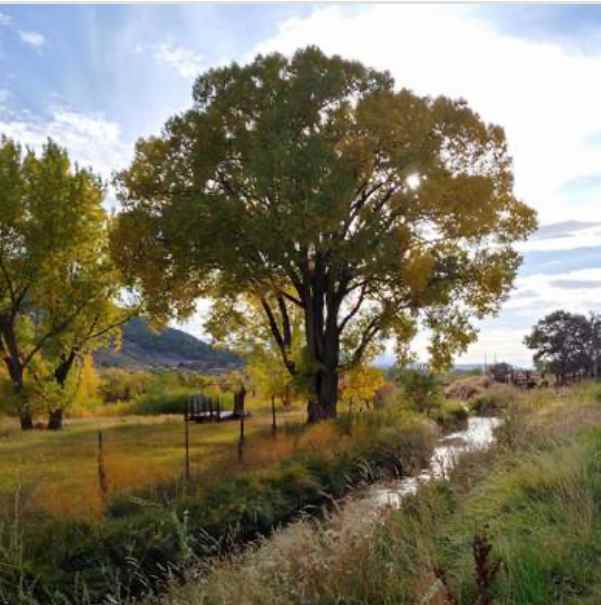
(5, 19)
(91, 140)
(185, 61)
(546, 98)
(578, 291)
(34, 39)
(579, 238)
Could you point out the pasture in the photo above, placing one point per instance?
(57, 472)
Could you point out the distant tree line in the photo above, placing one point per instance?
(567, 345)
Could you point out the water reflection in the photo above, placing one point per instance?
(477, 435)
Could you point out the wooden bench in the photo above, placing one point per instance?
(200, 408)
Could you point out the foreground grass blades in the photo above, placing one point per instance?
(536, 497)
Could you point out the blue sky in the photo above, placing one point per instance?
(96, 78)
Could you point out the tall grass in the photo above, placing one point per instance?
(150, 535)
(536, 496)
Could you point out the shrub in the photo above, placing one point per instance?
(498, 397)
(423, 389)
(122, 385)
(451, 414)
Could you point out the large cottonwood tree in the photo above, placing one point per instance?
(313, 182)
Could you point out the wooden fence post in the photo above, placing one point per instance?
(241, 439)
(274, 427)
(187, 440)
(102, 476)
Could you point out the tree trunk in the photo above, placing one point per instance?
(63, 369)
(15, 371)
(286, 397)
(55, 420)
(55, 417)
(323, 404)
(26, 419)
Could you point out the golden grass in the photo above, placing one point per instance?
(58, 472)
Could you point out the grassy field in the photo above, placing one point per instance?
(58, 472)
(56, 546)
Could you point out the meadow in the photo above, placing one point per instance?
(58, 472)
(65, 539)
(140, 415)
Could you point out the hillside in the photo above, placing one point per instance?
(143, 348)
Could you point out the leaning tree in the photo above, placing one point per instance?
(313, 183)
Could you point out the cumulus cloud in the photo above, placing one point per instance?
(92, 140)
(540, 92)
(5, 19)
(578, 290)
(185, 61)
(34, 39)
(524, 294)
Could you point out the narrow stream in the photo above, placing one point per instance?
(363, 508)
(477, 435)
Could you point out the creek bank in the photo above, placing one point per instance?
(313, 556)
(533, 498)
(148, 538)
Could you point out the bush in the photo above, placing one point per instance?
(423, 389)
(121, 385)
(451, 414)
(498, 397)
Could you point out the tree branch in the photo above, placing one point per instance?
(278, 336)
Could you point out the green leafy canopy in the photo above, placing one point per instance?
(59, 288)
(313, 182)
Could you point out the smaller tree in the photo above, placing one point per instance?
(564, 344)
(360, 385)
(97, 326)
(58, 286)
(269, 376)
(423, 389)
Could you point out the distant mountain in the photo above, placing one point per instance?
(143, 348)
